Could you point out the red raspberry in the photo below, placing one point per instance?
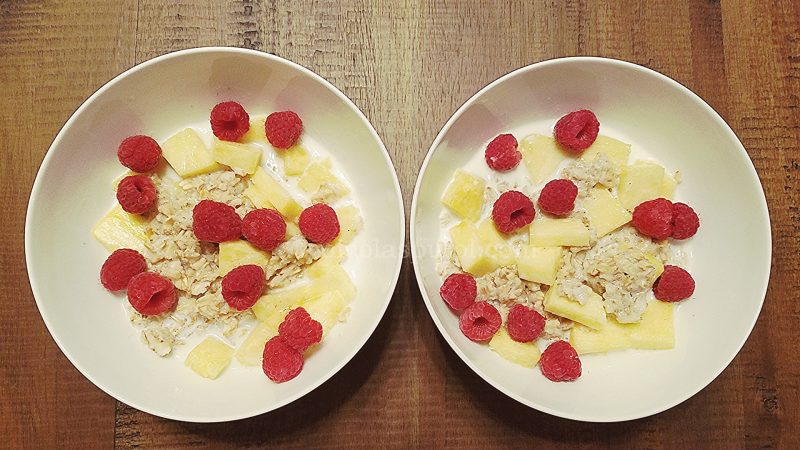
(653, 218)
(558, 197)
(524, 324)
(151, 294)
(280, 361)
(229, 121)
(242, 286)
(512, 211)
(120, 267)
(300, 330)
(674, 285)
(215, 222)
(136, 194)
(319, 224)
(139, 153)
(577, 130)
(264, 228)
(502, 154)
(459, 291)
(283, 129)
(480, 321)
(684, 221)
(560, 362)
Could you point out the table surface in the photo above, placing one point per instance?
(408, 65)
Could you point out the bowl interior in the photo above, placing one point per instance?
(72, 191)
(729, 257)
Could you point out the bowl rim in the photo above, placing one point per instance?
(37, 185)
(741, 152)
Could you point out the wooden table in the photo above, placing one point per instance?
(408, 65)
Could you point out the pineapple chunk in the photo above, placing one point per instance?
(525, 354)
(616, 151)
(606, 213)
(295, 160)
(117, 180)
(548, 232)
(464, 195)
(337, 279)
(332, 257)
(252, 349)
(668, 186)
(350, 223)
(656, 262)
(591, 313)
(292, 230)
(641, 181)
(539, 264)
(238, 156)
(541, 155)
(257, 131)
(495, 245)
(470, 249)
(188, 155)
(269, 188)
(319, 174)
(258, 198)
(209, 358)
(655, 331)
(233, 254)
(326, 309)
(120, 229)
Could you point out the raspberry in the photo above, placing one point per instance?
(120, 267)
(215, 222)
(229, 121)
(242, 286)
(524, 324)
(283, 129)
(264, 228)
(319, 224)
(151, 294)
(560, 362)
(558, 197)
(459, 291)
(480, 321)
(502, 154)
(139, 153)
(300, 330)
(513, 210)
(653, 218)
(577, 130)
(280, 361)
(684, 221)
(674, 285)
(136, 194)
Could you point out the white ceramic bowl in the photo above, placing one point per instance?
(730, 256)
(72, 191)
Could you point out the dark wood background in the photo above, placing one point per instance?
(408, 65)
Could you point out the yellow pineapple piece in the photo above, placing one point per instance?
(117, 180)
(655, 331)
(268, 188)
(639, 182)
(350, 223)
(258, 198)
(657, 263)
(318, 174)
(591, 313)
(606, 213)
(332, 257)
(464, 195)
(668, 186)
(295, 160)
(586, 340)
(541, 155)
(209, 358)
(495, 245)
(251, 350)
(233, 254)
(539, 264)
(188, 155)
(525, 354)
(257, 131)
(326, 309)
(549, 232)
(337, 279)
(239, 156)
(120, 229)
(292, 230)
(616, 151)
(470, 249)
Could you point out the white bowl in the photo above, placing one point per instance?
(730, 256)
(72, 191)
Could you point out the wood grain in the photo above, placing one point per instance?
(408, 65)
